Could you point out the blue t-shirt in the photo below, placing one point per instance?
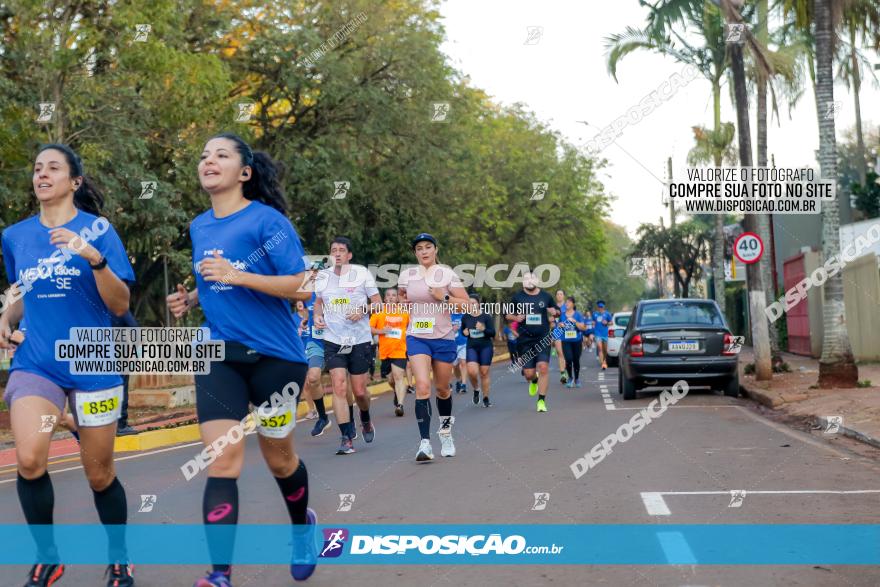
(568, 325)
(257, 239)
(601, 330)
(460, 339)
(64, 294)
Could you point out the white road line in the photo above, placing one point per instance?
(606, 396)
(676, 548)
(656, 505)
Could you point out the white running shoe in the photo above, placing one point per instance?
(447, 446)
(426, 453)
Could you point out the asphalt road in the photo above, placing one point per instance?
(678, 470)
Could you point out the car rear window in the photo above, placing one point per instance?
(681, 312)
(621, 320)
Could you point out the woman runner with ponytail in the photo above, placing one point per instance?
(248, 263)
(432, 291)
(69, 269)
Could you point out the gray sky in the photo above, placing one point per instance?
(563, 78)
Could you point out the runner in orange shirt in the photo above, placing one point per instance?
(390, 324)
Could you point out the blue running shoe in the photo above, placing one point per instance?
(214, 579)
(305, 551)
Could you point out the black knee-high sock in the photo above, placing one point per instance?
(365, 416)
(37, 500)
(295, 490)
(444, 406)
(220, 507)
(113, 511)
(319, 406)
(423, 417)
(351, 413)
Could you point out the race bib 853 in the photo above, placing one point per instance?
(98, 408)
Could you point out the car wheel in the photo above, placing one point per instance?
(627, 387)
(731, 386)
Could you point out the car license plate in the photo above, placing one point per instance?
(684, 345)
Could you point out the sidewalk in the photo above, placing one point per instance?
(791, 394)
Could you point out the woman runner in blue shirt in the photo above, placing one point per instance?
(248, 263)
(69, 269)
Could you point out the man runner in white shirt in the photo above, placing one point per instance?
(344, 295)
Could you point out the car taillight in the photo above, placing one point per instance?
(610, 333)
(635, 346)
(728, 348)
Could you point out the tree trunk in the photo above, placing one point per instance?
(757, 300)
(718, 244)
(764, 220)
(837, 368)
(861, 162)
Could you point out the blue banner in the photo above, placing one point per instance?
(456, 544)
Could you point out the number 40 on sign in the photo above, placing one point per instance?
(748, 247)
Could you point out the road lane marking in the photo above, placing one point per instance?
(676, 548)
(606, 397)
(656, 505)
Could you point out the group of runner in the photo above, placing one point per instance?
(246, 302)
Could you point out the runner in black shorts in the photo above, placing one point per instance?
(533, 307)
(248, 263)
(479, 328)
(344, 296)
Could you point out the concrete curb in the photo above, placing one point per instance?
(762, 396)
(190, 432)
(773, 401)
(822, 422)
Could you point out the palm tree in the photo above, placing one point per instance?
(660, 36)
(837, 367)
(752, 222)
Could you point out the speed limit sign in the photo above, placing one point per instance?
(748, 247)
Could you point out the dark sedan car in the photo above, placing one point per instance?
(669, 340)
